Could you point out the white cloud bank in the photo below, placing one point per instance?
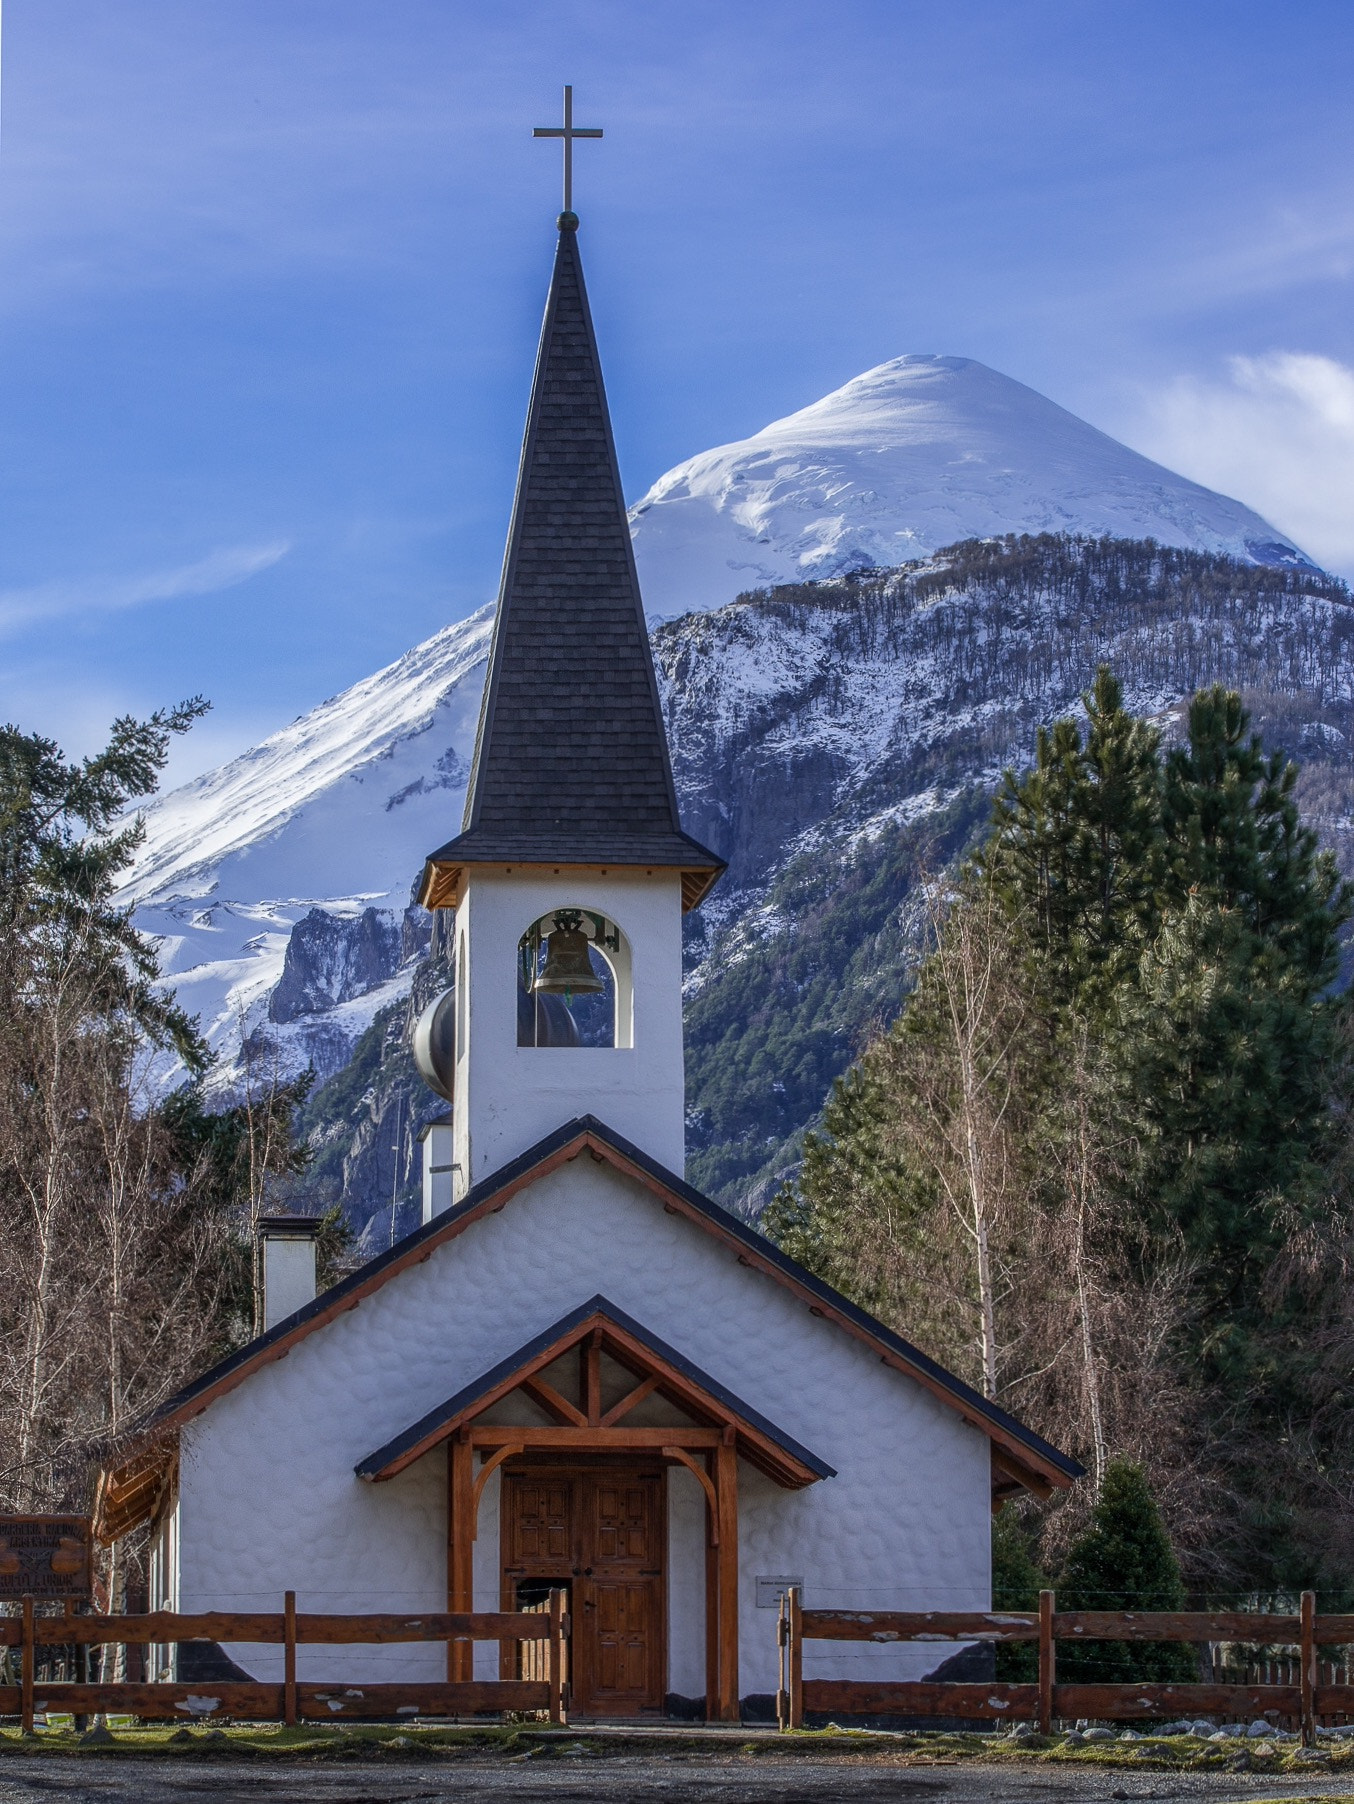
(1278, 434)
(219, 570)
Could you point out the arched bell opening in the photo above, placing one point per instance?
(573, 981)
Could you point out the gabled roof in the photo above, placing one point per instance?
(1019, 1455)
(664, 1369)
(571, 758)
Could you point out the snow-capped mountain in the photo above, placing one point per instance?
(264, 879)
(916, 454)
(333, 812)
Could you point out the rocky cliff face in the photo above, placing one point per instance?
(833, 740)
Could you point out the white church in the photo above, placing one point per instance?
(578, 1372)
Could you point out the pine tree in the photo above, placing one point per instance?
(1169, 934)
(1016, 1583)
(1123, 1561)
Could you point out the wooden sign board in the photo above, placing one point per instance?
(46, 1557)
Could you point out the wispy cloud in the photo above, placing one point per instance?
(1278, 433)
(222, 569)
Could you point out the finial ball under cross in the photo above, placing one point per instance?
(568, 131)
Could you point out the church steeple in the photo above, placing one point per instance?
(571, 872)
(571, 759)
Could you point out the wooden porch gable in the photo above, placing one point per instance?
(719, 1428)
(718, 1417)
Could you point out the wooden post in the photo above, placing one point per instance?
(1048, 1662)
(557, 1656)
(289, 1659)
(461, 1574)
(783, 1664)
(1307, 1675)
(796, 1659)
(726, 1461)
(26, 1669)
(712, 1597)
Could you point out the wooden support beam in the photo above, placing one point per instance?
(683, 1458)
(461, 1588)
(726, 1464)
(553, 1402)
(1307, 1673)
(711, 1603)
(593, 1439)
(486, 1471)
(592, 1377)
(630, 1399)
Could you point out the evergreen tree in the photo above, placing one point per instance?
(65, 841)
(1156, 1128)
(1123, 1561)
(1016, 1583)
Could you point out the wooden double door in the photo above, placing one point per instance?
(600, 1534)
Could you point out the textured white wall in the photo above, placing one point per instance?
(269, 1500)
(509, 1096)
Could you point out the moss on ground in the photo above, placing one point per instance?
(412, 1741)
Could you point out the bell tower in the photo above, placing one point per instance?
(571, 872)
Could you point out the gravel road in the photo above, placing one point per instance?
(624, 1779)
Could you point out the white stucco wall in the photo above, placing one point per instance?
(269, 1499)
(507, 1097)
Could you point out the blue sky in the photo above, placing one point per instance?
(273, 272)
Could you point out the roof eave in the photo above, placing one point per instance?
(565, 1144)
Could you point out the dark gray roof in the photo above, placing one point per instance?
(404, 1252)
(479, 1387)
(571, 760)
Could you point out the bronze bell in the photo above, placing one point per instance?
(568, 969)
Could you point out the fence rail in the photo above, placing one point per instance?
(291, 1701)
(1045, 1699)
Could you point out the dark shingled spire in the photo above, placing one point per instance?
(571, 759)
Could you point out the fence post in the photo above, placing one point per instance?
(26, 1669)
(1307, 1674)
(796, 1630)
(557, 1656)
(289, 1659)
(782, 1675)
(1048, 1662)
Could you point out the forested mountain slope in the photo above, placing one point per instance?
(833, 740)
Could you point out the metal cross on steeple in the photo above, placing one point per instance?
(568, 131)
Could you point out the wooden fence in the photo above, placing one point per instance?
(291, 1701)
(1042, 1701)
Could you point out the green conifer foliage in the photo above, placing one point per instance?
(1110, 1191)
(1123, 1561)
(1016, 1584)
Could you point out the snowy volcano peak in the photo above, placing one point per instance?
(913, 455)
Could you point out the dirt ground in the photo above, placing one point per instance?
(624, 1772)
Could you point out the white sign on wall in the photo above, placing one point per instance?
(770, 1590)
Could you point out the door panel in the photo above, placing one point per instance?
(624, 1628)
(542, 1528)
(605, 1532)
